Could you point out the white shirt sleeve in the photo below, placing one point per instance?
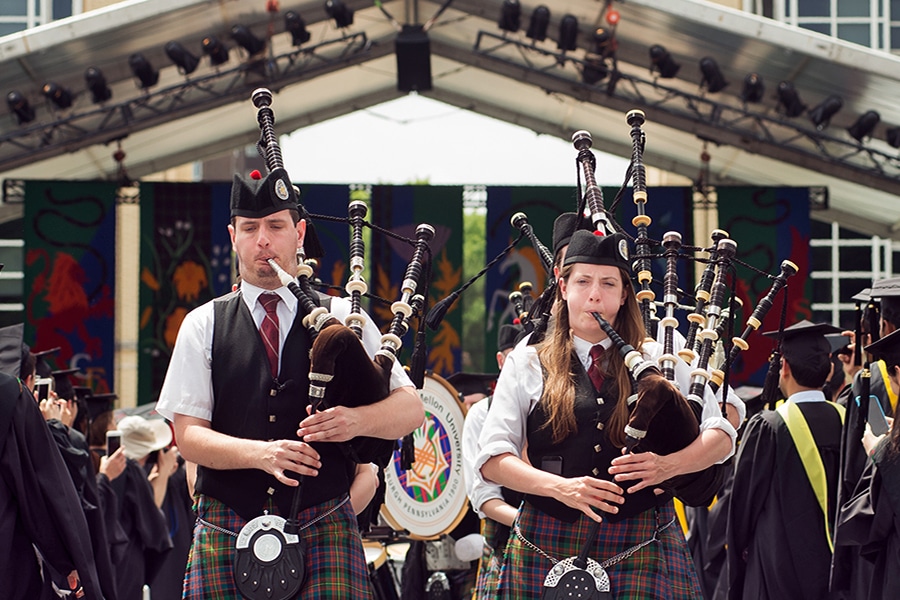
(187, 389)
(478, 490)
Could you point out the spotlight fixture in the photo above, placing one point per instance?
(215, 50)
(789, 99)
(182, 57)
(57, 94)
(295, 24)
(662, 61)
(595, 67)
(864, 125)
(568, 33)
(246, 40)
(821, 114)
(143, 70)
(96, 83)
(892, 136)
(754, 88)
(19, 105)
(712, 75)
(342, 15)
(510, 16)
(537, 26)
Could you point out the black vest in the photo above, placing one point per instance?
(249, 404)
(588, 451)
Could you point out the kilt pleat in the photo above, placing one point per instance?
(489, 564)
(335, 559)
(662, 570)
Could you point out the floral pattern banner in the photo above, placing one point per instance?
(400, 209)
(185, 262)
(69, 276)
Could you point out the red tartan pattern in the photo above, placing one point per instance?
(658, 571)
(488, 565)
(335, 560)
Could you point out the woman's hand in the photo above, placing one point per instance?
(588, 493)
(648, 468)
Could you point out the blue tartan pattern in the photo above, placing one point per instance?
(662, 570)
(335, 559)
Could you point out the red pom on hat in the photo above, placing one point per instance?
(598, 233)
(255, 175)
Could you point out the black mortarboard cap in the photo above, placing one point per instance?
(508, 335)
(473, 383)
(62, 385)
(805, 341)
(884, 288)
(100, 403)
(887, 348)
(82, 391)
(257, 198)
(587, 247)
(862, 296)
(41, 366)
(12, 349)
(564, 226)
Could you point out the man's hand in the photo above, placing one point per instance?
(112, 466)
(286, 455)
(338, 424)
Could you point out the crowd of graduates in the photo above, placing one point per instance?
(83, 523)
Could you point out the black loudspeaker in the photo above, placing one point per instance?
(413, 59)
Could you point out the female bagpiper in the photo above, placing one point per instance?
(565, 400)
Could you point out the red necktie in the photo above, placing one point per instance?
(595, 371)
(268, 329)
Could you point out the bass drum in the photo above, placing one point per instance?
(430, 499)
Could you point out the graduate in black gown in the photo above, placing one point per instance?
(868, 525)
(779, 538)
(39, 507)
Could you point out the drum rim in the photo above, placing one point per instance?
(385, 513)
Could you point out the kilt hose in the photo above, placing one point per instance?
(334, 557)
(661, 570)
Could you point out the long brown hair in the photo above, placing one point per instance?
(555, 353)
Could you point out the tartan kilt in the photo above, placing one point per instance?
(334, 557)
(662, 570)
(489, 564)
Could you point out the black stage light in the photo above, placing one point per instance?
(96, 83)
(568, 33)
(789, 99)
(510, 16)
(295, 24)
(754, 88)
(821, 114)
(246, 40)
(595, 67)
(20, 106)
(215, 49)
(143, 70)
(892, 136)
(57, 94)
(712, 75)
(183, 59)
(662, 61)
(537, 26)
(337, 10)
(864, 125)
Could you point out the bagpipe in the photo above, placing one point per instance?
(341, 374)
(662, 419)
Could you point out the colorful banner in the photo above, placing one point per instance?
(185, 262)
(70, 268)
(324, 201)
(769, 226)
(401, 209)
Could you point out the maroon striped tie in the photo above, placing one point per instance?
(595, 371)
(268, 329)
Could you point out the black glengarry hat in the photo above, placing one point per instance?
(564, 226)
(257, 198)
(588, 247)
(508, 335)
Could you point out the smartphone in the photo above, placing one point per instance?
(877, 422)
(43, 386)
(552, 464)
(113, 441)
